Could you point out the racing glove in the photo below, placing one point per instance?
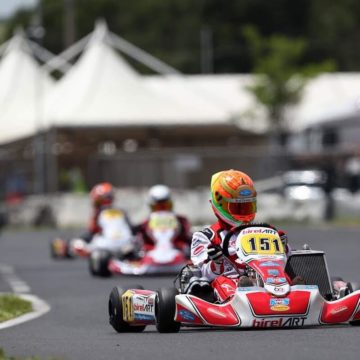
(215, 254)
(284, 239)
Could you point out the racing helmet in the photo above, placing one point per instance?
(233, 197)
(159, 198)
(102, 194)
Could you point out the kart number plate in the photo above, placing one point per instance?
(262, 244)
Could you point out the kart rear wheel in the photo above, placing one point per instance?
(98, 263)
(116, 311)
(165, 311)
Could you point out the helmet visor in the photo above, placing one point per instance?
(242, 208)
(164, 205)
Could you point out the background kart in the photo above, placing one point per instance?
(115, 241)
(164, 258)
(321, 302)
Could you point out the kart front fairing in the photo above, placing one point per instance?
(255, 307)
(149, 265)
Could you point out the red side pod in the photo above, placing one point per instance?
(340, 310)
(265, 304)
(219, 315)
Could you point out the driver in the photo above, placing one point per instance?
(159, 199)
(233, 201)
(102, 197)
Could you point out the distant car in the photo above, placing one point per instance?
(304, 194)
(304, 185)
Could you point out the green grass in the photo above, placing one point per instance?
(5, 357)
(12, 306)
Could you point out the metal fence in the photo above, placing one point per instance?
(182, 167)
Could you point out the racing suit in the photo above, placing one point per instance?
(182, 240)
(98, 223)
(223, 277)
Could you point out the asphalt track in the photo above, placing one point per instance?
(77, 326)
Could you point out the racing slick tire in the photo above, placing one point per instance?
(116, 311)
(165, 311)
(98, 263)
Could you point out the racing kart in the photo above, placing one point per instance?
(164, 258)
(271, 302)
(115, 240)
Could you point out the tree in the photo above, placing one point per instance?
(281, 76)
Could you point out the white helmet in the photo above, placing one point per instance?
(160, 198)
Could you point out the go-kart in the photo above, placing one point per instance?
(270, 302)
(115, 240)
(164, 258)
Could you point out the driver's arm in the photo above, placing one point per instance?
(199, 256)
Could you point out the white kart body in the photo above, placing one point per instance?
(116, 235)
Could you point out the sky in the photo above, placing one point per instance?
(8, 7)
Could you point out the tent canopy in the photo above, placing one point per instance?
(23, 87)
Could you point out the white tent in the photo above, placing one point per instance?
(103, 89)
(327, 98)
(23, 87)
(227, 92)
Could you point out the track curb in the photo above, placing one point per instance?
(40, 307)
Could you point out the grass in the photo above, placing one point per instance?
(5, 357)
(12, 306)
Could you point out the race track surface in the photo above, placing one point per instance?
(77, 325)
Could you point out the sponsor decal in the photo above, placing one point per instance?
(280, 323)
(268, 264)
(143, 303)
(245, 288)
(338, 309)
(227, 287)
(245, 192)
(276, 280)
(311, 287)
(144, 317)
(258, 231)
(279, 304)
(144, 307)
(273, 272)
(279, 289)
(198, 250)
(186, 315)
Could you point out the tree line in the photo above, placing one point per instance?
(204, 35)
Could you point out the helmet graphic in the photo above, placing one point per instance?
(160, 198)
(233, 197)
(102, 194)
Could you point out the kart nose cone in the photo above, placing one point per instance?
(277, 290)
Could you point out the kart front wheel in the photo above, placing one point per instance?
(116, 311)
(98, 263)
(165, 311)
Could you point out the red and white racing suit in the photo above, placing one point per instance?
(223, 277)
